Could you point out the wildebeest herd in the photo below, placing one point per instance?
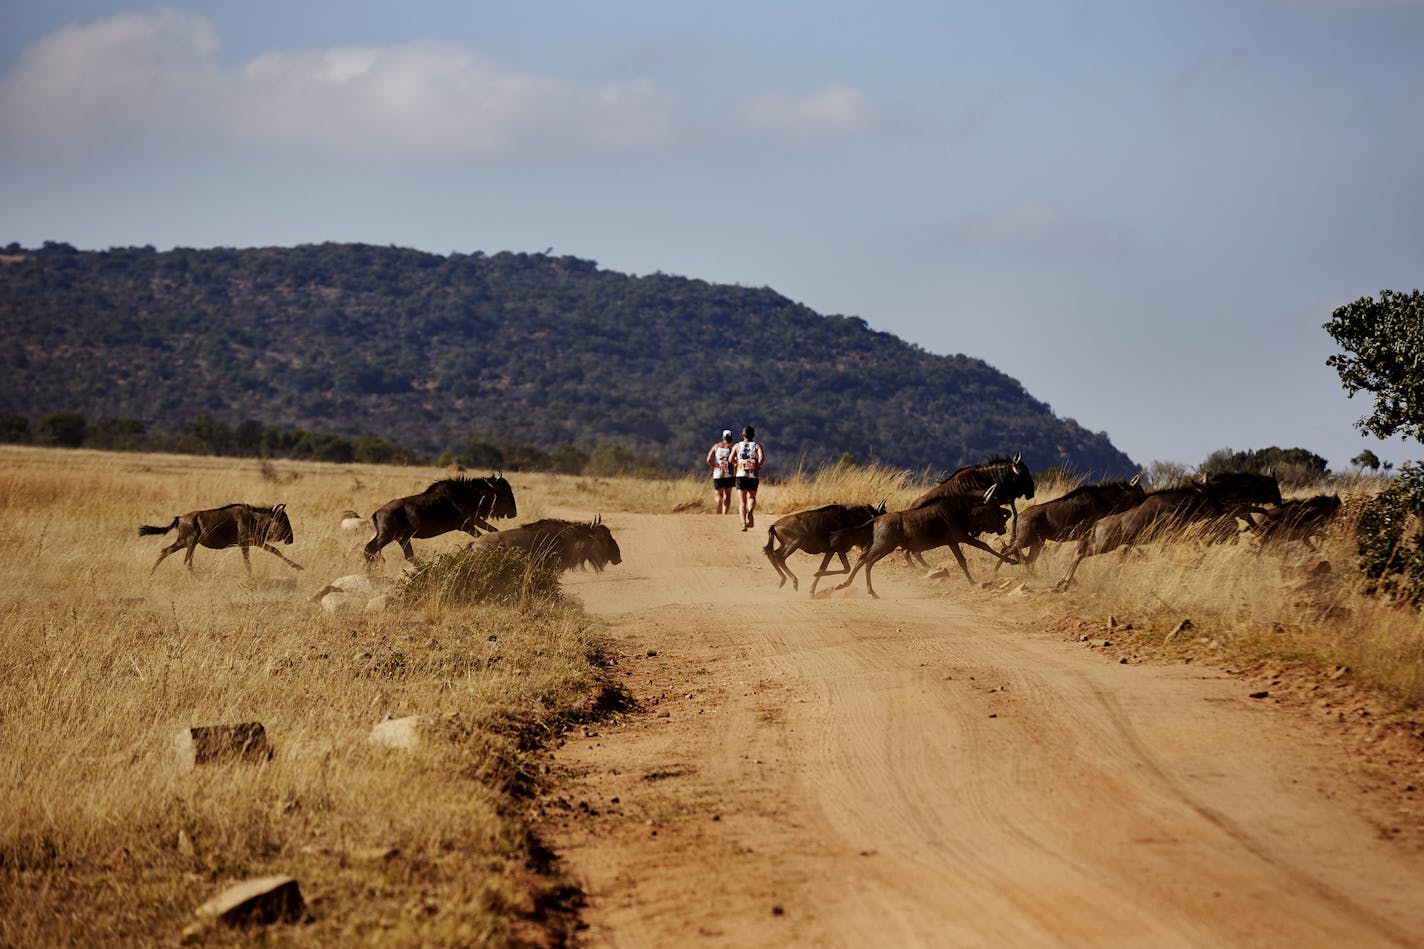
(451, 504)
(980, 499)
(973, 501)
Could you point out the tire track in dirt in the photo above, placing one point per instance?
(911, 772)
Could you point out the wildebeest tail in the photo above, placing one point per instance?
(770, 539)
(144, 530)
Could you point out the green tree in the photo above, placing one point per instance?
(566, 459)
(66, 429)
(116, 434)
(213, 434)
(1384, 353)
(1366, 459)
(14, 428)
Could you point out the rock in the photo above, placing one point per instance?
(374, 854)
(379, 603)
(246, 741)
(400, 732)
(257, 902)
(939, 573)
(352, 521)
(343, 602)
(1180, 628)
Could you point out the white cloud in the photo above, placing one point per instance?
(831, 110)
(154, 76)
(156, 72)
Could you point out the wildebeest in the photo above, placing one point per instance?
(1009, 477)
(1216, 501)
(950, 520)
(1301, 519)
(1069, 517)
(1240, 495)
(233, 525)
(1161, 512)
(563, 545)
(451, 504)
(812, 531)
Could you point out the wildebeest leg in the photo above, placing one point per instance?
(823, 572)
(408, 549)
(1085, 549)
(867, 560)
(276, 553)
(473, 520)
(172, 548)
(246, 562)
(778, 559)
(954, 549)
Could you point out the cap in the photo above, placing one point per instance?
(726, 433)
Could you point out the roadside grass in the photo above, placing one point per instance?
(1244, 604)
(104, 842)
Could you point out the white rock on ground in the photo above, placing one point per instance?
(342, 602)
(256, 902)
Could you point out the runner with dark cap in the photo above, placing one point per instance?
(748, 457)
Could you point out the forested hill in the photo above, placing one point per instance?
(430, 351)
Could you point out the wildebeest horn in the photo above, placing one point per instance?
(1135, 478)
(276, 508)
(1018, 457)
(882, 505)
(989, 495)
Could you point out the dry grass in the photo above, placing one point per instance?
(102, 841)
(1289, 603)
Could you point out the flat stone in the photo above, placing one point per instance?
(257, 902)
(342, 601)
(202, 744)
(402, 732)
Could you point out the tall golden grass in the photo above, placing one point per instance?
(1244, 603)
(103, 841)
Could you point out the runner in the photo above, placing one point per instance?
(749, 458)
(719, 459)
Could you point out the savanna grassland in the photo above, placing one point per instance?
(103, 840)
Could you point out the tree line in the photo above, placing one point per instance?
(206, 435)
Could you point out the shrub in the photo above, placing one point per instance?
(1388, 537)
(473, 575)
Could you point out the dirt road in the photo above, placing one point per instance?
(915, 772)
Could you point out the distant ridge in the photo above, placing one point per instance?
(430, 351)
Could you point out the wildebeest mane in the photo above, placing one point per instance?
(1085, 488)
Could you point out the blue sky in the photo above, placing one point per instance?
(1143, 211)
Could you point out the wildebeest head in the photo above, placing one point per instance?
(986, 518)
(603, 549)
(504, 505)
(1018, 480)
(278, 527)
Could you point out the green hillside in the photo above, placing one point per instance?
(429, 351)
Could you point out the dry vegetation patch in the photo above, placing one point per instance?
(104, 840)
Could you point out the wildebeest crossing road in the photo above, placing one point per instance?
(924, 770)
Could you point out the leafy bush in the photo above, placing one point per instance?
(1388, 537)
(481, 575)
